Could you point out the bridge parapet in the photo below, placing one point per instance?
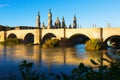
(89, 32)
(57, 32)
(96, 33)
(108, 32)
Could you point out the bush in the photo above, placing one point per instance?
(82, 72)
(3, 43)
(94, 44)
(27, 72)
(11, 41)
(103, 72)
(51, 43)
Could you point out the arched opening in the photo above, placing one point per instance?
(29, 38)
(77, 39)
(12, 36)
(12, 39)
(113, 41)
(48, 36)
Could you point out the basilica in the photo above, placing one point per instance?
(50, 25)
(57, 24)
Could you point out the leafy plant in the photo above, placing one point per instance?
(26, 71)
(51, 43)
(103, 72)
(94, 44)
(11, 41)
(82, 72)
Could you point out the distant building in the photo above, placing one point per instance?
(24, 27)
(2, 28)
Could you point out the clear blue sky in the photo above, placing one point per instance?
(88, 12)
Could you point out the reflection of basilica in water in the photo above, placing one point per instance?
(58, 56)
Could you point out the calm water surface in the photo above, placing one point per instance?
(47, 60)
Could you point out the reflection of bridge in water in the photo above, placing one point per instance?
(57, 56)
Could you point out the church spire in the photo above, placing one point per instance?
(38, 14)
(49, 11)
(49, 19)
(43, 25)
(63, 22)
(74, 21)
(38, 21)
(57, 19)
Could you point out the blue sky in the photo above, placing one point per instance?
(88, 12)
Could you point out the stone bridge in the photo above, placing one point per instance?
(37, 35)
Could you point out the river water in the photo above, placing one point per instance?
(45, 60)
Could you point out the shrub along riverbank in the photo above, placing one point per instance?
(50, 43)
(91, 45)
(94, 44)
(11, 41)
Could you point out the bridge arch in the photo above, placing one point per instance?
(12, 35)
(29, 38)
(78, 39)
(48, 36)
(114, 39)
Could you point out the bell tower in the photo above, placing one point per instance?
(38, 21)
(37, 37)
(74, 22)
(63, 22)
(49, 19)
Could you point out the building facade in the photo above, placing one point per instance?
(57, 24)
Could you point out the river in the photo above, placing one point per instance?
(45, 60)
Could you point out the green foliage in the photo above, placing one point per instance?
(82, 72)
(94, 44)
(51, 43)
(26, 71)
(3, 43)
(104, 72)
(11, 41)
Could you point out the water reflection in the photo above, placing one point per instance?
(46, 60)
(4, 54)
(114, 54)
(49, 56)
